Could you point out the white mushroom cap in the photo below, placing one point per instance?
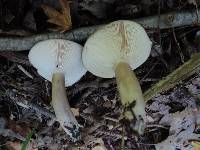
(57, 55)
(122, 40)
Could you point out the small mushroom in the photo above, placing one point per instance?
(59, 61)
(113, 51)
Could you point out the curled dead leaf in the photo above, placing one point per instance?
(61, 19)
(99, 147)
(75, 111)
(196, 145)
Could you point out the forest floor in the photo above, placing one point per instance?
(25, 97)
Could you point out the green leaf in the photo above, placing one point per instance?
(28, 139)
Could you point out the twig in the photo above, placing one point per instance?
(168, 20)
(28, 105)
(159, 34)
(24, 71)
(149, 80)
(10, 133)
(122, 142)
(159, 37)
(89, 92)
(178, 46)
(16, 57)
(111, 134)
(93, 84)
(149, 71)
(111, 119)
(187, 69)
(156, 125)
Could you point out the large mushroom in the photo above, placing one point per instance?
(113, 51)
(59, 61)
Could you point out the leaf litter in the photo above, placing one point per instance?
(95, 101)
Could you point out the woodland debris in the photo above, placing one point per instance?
(98, 9)
(168, 20)
(29, 105)
(181, 73)
(29, 21)
(181, 131)
(25, 71)
(15, 57)
(17, 32)
(61, 19)
(165, 110)
(10, 128)
(14, 145)
(99, 147)
(195, 144)
(17, 90)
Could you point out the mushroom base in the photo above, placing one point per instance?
(131, 95)
(62, 109)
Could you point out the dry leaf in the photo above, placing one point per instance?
(192, 2)
(75, 111)
(99, 147)
(181, 131)
(22, 130)
(196, 145)
(13, 145)
(61, 19)
(17, 145)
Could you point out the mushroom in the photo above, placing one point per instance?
(113, 51)
(59, 61)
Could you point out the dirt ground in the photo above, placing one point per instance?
(25, 96)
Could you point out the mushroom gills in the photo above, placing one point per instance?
(62, 109)
(131, 94)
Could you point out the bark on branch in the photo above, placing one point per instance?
(168, 20)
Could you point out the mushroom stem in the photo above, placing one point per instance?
(131, 95)
(62, 109)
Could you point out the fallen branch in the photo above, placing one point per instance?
(168, 20)
(183, 72)
(29, 105)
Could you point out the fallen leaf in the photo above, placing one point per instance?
(181, 131)
(75, 111)
(23, 130)
(99, 147)
(61, 19)
(13, 145)
(192, 2)
(17, 146)
(196, 145)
